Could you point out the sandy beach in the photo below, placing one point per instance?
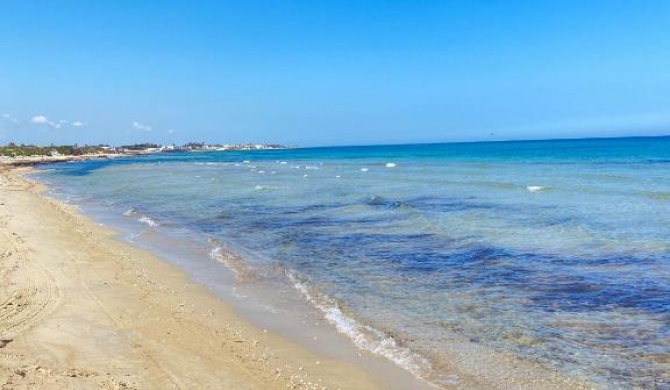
(80, 310)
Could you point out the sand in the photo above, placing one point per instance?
(81, 310)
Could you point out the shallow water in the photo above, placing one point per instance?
(558, 251)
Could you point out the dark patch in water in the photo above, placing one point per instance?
(78, 168)
(301, 239)
(435, 204)
(429, 204)
(385, 203)
(306, 237)
(552, 283)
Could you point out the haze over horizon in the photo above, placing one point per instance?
(333, 72)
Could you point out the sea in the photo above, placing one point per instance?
(556, 252)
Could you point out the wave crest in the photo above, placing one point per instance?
(363, 336)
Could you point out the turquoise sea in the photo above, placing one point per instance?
(555, 251)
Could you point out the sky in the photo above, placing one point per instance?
(310, 72)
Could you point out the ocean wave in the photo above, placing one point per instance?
(232, 261)
(134, 213)
(146, 220)
(535, 188)
(130, 212)
(363, 336)
(262, 187)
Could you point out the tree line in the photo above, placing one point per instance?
(13, 150)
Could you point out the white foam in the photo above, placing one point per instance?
(217, 254)
(130, 212)
(283, 162)
(364, 169)
(391, 165)
(148, 221)
(535, 188)
(234, 263)
(363, 336)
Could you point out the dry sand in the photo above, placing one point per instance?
(80, 310)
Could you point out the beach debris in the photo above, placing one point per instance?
(5, 340)
(77, 373)
(117, 384)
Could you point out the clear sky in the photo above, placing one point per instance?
(331, 72)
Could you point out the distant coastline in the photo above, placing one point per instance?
(22, 155)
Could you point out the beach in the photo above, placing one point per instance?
(350, 268)
(80, 310)
(348, 195)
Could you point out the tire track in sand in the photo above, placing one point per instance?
(29, 292)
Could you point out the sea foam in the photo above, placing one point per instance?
(363, 336)
(148, 221)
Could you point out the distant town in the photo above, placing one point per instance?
(14, 154)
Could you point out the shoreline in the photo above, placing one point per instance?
(163, 295)
(27, 161)
(80, 309)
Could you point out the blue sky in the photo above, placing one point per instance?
(331, 72)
